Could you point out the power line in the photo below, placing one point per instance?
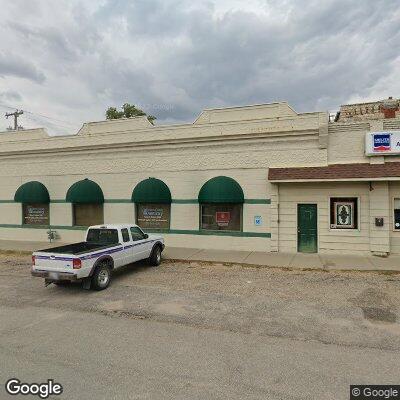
(71, 125)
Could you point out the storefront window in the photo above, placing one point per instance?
(221, 217)
(88, 214)
(397, 214)
(343, 213)
(153, 215)
(35, 214)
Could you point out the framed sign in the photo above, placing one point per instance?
(153, 216)
(35, 214)
(222, 218)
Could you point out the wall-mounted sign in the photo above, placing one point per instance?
(222, 218)
(154, 216)
(36, 214)
(257, 220)
(379, 143)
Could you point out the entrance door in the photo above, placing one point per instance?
(307, 228)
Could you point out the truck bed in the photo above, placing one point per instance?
(78, 248)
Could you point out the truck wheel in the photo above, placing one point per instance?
(155, 257)
(101, 277)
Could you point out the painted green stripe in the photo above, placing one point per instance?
(185, 201)
(176, 201)
(75, 228)
(211, 233)
(170, 231)
(117, 201)
(257, 201)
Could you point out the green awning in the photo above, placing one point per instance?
(221, 189)
(85, 192)
(32, 192)
(151, 190)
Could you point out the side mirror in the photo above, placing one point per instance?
(146, 236)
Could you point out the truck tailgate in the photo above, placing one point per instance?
(53, 262)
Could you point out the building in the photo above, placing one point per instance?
(261, 177)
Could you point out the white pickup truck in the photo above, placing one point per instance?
(107, 247)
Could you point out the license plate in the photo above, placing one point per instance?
(53, 275)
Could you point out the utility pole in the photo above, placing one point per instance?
(16, 114)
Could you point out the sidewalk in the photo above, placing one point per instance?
(327, 262)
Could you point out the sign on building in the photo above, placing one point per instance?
(378, 143)
(222, 218)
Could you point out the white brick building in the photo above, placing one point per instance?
(230, 180)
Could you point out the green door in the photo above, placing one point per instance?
(307, 228)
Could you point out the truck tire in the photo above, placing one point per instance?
(101, 277)
(155, 257)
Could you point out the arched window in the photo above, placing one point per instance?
(35, 201)
(87, 201)
(152, 199)
(221, 205)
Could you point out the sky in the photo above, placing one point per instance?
(65, 62)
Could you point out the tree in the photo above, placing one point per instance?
(128, 111)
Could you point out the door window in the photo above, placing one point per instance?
(137, 233)
(125, 235)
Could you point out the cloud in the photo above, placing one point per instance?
(16, 65)
(176, 57)
(10, 95)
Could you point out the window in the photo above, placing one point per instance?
(137, 233)
(102, 236)
(153, 215)
(344, 213)
(125, 235)
(396, 214)
(88, 214)
(35, 214)
(221, 217)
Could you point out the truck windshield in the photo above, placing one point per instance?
(102, 236)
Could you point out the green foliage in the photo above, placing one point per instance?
(128, 111)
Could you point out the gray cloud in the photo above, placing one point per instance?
(16, 65)
(10, 95)
(176, 57)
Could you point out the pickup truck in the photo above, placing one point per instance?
(107, 247)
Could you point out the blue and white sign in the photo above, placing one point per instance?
(380, 143)
(257, 220)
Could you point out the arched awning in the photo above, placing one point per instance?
(85, 192)
(32, 192)
(151, 190)
(221, 189)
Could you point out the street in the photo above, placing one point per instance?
(201, 331)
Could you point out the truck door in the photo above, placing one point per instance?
(128, 249)
(141, 248)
